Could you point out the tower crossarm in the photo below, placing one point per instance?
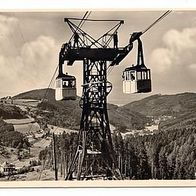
(95, 54)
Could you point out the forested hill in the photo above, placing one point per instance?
(67, 113)
(37, 94)
(168, 154)
(158, 105)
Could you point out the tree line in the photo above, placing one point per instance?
(164, 155)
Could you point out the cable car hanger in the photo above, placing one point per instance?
(137, 78)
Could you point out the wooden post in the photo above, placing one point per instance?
(152, 169)
(125, 169)
(55, 160)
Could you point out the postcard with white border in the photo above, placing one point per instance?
(98, 98)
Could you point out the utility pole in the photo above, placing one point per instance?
(55, 159)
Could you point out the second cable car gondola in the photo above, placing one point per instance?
(65, 87)
(137, 79)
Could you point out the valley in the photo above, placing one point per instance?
(142, 121)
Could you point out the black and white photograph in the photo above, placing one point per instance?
(98, 96)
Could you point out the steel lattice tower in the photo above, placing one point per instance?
(97, 55)
(95, 138)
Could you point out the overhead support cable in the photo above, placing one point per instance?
(156, 21)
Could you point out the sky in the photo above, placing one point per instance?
(30, 43)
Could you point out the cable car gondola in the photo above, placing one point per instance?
(137, 79)
(65, 87)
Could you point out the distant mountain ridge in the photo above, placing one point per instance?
(182, 107)
(68, 113)
(131, 116)
(157, 105)
(37, 94)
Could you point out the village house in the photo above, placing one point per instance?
(7, 168)
(6, 100)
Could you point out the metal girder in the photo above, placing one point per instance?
(94, 135)
(95, 131)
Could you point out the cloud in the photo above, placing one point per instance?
(33, 64)
(161, 60)
(174, 64)
(192, 66)
(6, 24)
(180, 41)
(39, 59)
